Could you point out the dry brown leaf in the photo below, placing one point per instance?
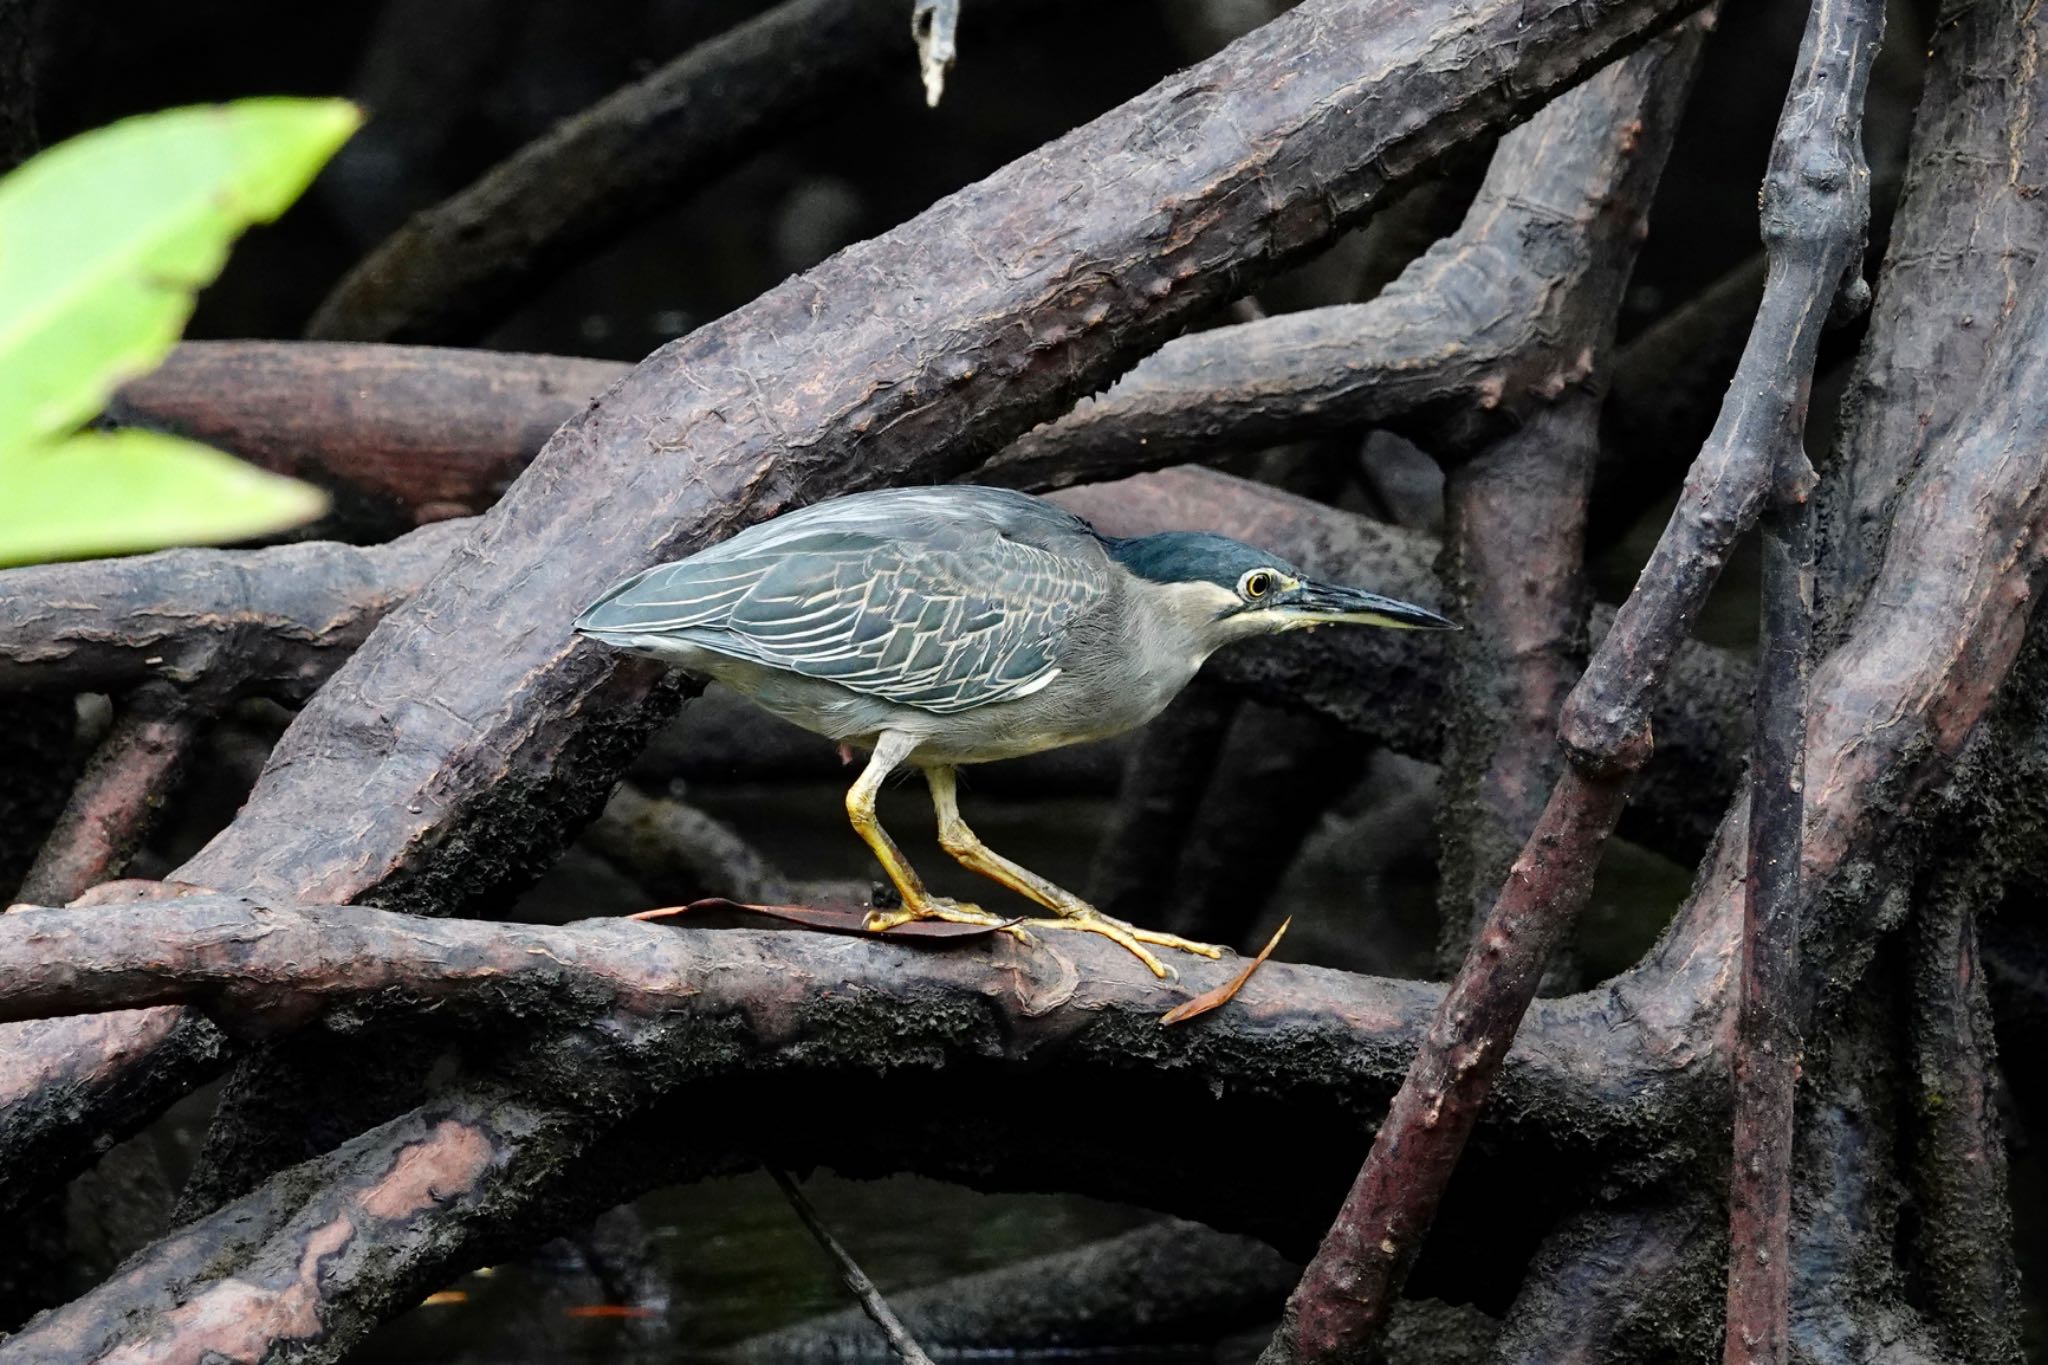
(1226, 992)
(848, 921)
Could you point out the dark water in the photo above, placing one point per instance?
(727, 1260)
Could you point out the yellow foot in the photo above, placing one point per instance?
(1130, 937)
(938, 907)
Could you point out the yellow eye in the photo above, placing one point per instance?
(1257, 583)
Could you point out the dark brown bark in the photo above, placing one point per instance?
(457, 267)
(367, 1218)
(1625, 1283)
(1971, 224)
(1412, 357)
(1816, 208)
(1514, 552)
(268, 967)
(213, 625)
(116, 800)
(401, 435)
(1959, 1162)
(1346, 1292)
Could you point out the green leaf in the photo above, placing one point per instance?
(116, 492)
(105, 238)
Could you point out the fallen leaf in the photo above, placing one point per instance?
(443, 1297)
(610, 1310)
(848, 921)
(1226, 992)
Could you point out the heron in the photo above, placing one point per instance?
(946, 626)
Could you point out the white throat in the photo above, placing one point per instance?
(1190, 621)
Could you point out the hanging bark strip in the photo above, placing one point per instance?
(1815, 221)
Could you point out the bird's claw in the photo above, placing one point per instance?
(1129, 937)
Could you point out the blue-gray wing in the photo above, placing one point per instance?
(943, 616)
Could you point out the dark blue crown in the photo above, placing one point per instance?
(1194, 557)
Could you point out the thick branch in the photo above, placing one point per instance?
(1614, 1286)
(1970, 225)
(1515, 549)
(213, 624)
(984, 1039)
(1816, 208)
(270, 967)
(1959, 1165)
(1478, 333)
(400, 434)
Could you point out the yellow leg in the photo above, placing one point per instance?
(918, 903)
(1074, 913)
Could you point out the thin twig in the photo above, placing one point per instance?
(852, 1276)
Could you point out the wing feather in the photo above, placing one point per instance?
(944, 613)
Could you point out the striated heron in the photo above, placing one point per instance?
(951, 625)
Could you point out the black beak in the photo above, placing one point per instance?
(1316, 603)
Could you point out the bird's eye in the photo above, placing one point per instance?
(1257, 583)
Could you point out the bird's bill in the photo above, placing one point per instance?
(1315, 604)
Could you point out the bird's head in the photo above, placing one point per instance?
(1228, 590)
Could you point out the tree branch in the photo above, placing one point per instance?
(602, 1017)
(212, 625)
(401, 435)
(116, 800)
(1816, 210)
(1345, 1293)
